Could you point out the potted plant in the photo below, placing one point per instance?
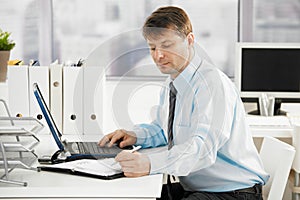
(5, 46)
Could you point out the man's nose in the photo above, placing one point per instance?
(159, 54)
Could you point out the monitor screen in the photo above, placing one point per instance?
(270, 68)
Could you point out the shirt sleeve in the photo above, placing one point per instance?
(211, 124)
(149, 135)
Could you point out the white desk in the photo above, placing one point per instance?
(60, 186)
(56, 185)
(273, 132)
(277, 126)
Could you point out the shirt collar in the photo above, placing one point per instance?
(183, 79)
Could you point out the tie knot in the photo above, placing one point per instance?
(172, 89)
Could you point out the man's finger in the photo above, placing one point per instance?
(125, 143)
(119, 134)
(104, 141)
(129, 170)
(128, 163)
(134, 174)
(125, 155)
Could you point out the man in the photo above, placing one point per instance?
(200, 117)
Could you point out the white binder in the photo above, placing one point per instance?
(39, 75)
(18, 94)
(72, 100)
(93, 90)
(56, 94)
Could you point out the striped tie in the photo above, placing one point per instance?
(172, 102)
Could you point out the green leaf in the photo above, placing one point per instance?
(5, 43)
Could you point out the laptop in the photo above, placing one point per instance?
(72, 150)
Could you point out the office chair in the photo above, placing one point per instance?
(277, 158)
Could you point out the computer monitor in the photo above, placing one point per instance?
(270, 68)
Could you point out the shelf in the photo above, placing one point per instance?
(17, 142)
(25, 162)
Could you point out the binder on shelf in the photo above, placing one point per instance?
(56, 94)
(18, 93)
(93, 102)
(39, 75)
(73, 100)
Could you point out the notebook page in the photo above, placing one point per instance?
(103, 167)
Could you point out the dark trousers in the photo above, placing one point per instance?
(177, 193)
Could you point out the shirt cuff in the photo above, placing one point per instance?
(140, 135)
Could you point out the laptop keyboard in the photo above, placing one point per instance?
(94, 148)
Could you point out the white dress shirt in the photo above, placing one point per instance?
(213, 146)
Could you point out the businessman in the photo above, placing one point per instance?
(200, 118)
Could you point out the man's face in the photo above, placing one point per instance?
(170, 52)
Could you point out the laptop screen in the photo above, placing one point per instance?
(48, 117)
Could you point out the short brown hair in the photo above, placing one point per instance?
(169, 17)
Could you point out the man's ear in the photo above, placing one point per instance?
(190, 38)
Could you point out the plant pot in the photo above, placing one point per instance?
(4, 57)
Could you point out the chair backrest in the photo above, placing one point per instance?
(277, 157)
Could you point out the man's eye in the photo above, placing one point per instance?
(166, 46)
(152, 49)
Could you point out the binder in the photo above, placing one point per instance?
(102, 169)
(73, 100)
(56, 94)
(18, 93)
(93, 102)
(39, 75)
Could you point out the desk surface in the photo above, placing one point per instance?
(275, 126)
(272, 131)
(55, 185)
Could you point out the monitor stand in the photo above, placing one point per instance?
(254, 112)
(277, 110)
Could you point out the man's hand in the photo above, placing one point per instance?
(134, 164)
(126, 138)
